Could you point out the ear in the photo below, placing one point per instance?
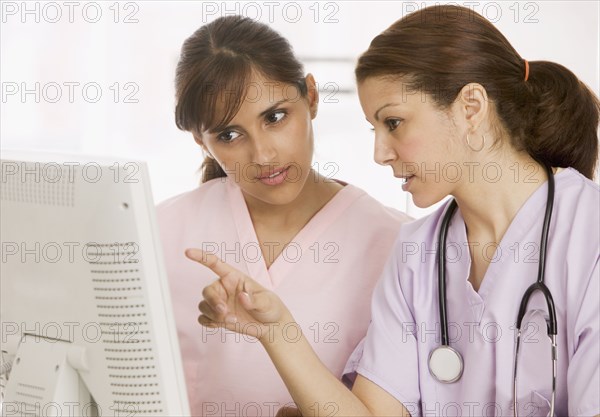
(473, 106)
(313, 95)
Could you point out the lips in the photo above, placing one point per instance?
(404, 177)
(274, 176)
(271, 173)
(407, 180)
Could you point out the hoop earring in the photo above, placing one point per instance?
(472, 148)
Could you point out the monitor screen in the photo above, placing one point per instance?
(85, 310)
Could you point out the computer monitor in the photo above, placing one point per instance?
(85, 308)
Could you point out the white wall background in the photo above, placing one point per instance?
(127, 51)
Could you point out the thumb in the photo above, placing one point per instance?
(254, 298)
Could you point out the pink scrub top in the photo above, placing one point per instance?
(325, 276)
(405, 326)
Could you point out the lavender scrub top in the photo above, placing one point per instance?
(405, 313)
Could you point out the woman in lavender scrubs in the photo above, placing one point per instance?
(457, 112)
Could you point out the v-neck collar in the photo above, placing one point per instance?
(303, 240)
(527, 218)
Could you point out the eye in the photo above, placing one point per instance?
(392, 124)
(228, 136)
(276, 116)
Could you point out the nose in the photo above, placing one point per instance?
(384, 154)
(264, 151)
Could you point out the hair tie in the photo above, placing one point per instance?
(526, 70)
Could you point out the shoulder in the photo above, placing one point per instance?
(575, 221)
(577, 200)
(572, 182)
(366, 205)
(179, 212)
(211, 191)
(424, 229)
(186, 216)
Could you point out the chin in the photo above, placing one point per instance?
(425, 201)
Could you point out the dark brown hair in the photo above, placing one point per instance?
(553, 116)
(215, 67)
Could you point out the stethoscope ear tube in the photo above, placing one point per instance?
(442, 270)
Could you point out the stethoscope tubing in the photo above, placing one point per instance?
(539, 285)
(442, 270)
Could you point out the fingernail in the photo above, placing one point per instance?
(231, 319)
(191, 253)
(221, 308)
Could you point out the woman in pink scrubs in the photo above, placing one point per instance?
(456, 111)
(318, 243)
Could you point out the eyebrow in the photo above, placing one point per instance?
(262, 114)
(383, 107)
(223, 129)
(273, 107)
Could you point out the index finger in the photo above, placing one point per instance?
(211, 261)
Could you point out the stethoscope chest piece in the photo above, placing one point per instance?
(445, 364)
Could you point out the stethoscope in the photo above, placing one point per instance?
(445, 363)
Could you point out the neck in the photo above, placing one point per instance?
(488, 206)
(315, 193)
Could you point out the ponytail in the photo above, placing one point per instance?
(211, 170)
(561, 119)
